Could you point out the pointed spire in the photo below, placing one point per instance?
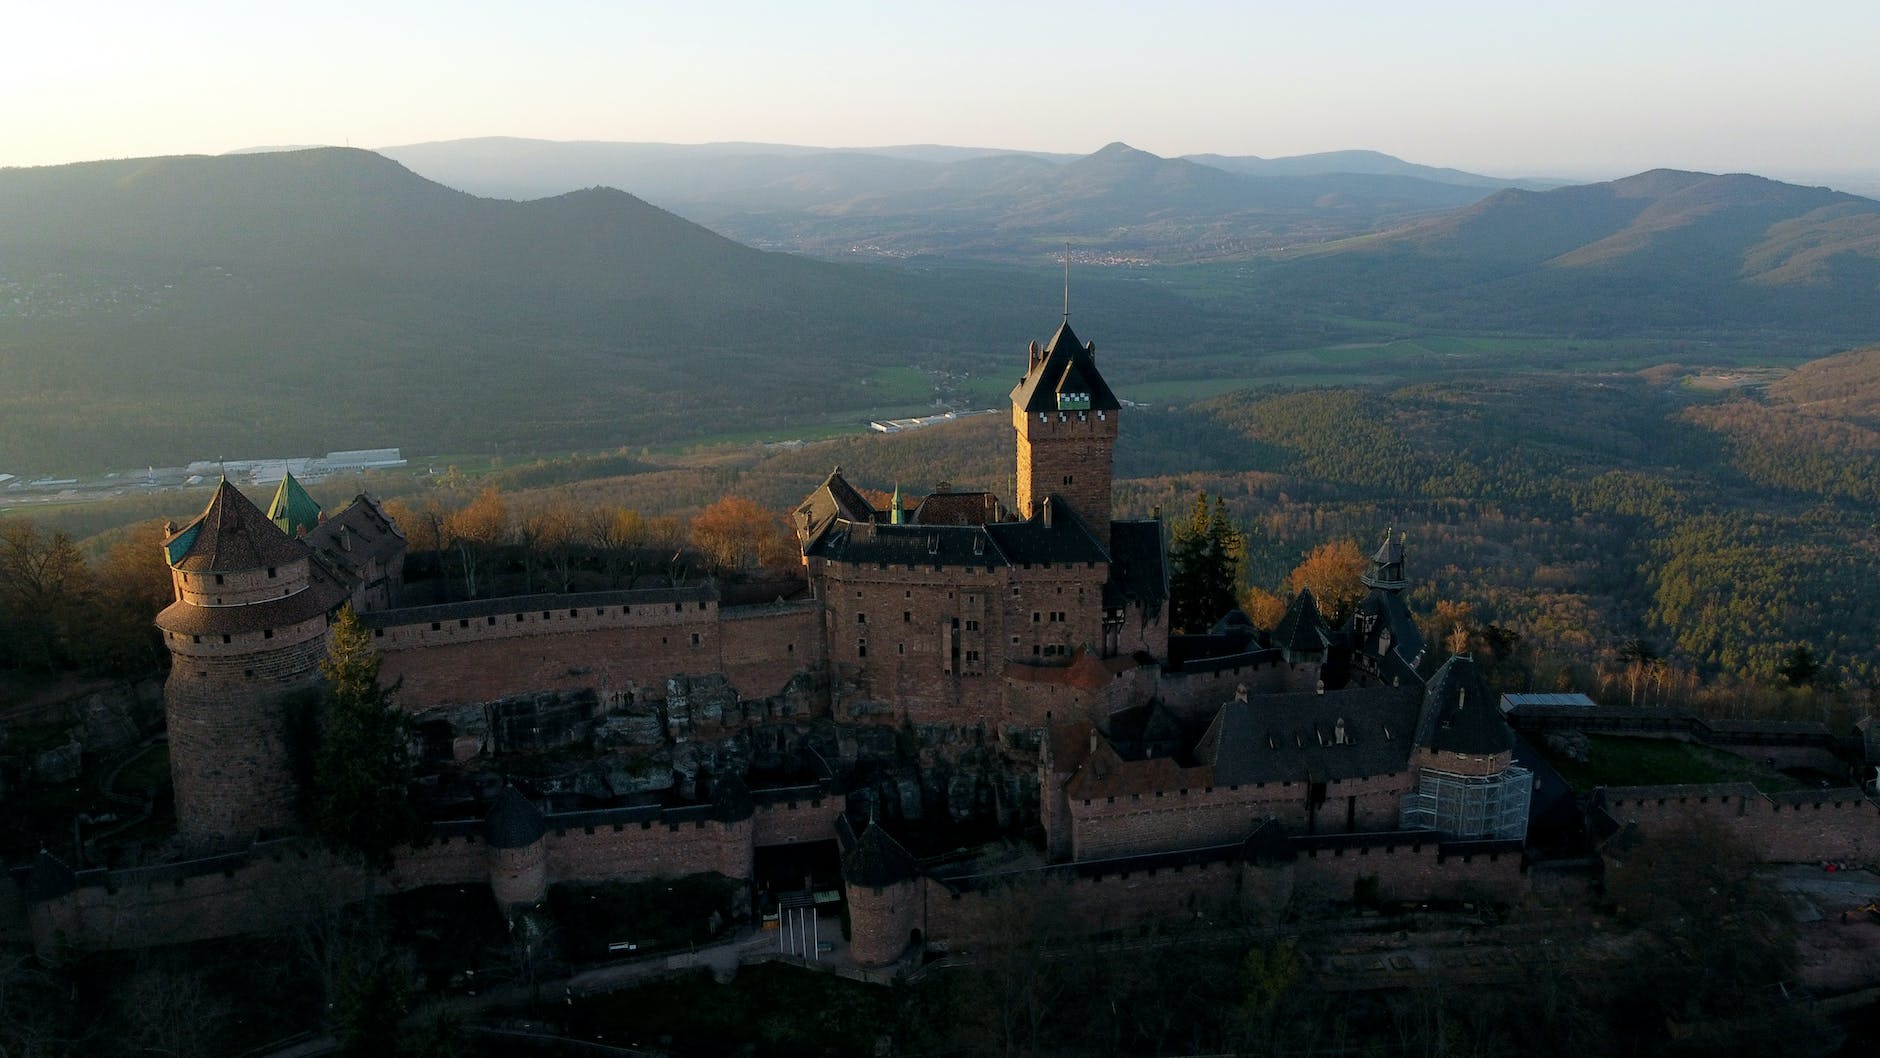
(1386, 571)
(293, 509)
(1067, 281)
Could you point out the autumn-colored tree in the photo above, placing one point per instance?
(44, 589)
(1332, 570)
(133, 585)
(1439, 625)
(1263, 608)
(472, 532)
(618, 535)
(421, 522)
(732, 533)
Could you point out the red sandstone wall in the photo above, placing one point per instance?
(807, 820)
(1074, 445)
(635, 852)
(1210, 816)
(1411, 872)
(1840, 825)
(881, 921)
(757, 648)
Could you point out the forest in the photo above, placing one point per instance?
(1706, 526)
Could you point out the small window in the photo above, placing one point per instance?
(463, 622)
(270, 572)
(1036, 650)
(250, 673)
(907, 617)
(224, 639)
(378, 633)
(677, 607)
(789, 648)
(492, 618)
(267, 633)
(861, 618)
(1067, 479)
(545, 615)
(218, 578)
(695, 639)
(1037, 616)
(900, 648)
(861, 648)
(437, 626)
(195, 639)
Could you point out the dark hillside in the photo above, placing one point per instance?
(170, 309)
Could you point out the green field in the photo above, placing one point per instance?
(1620, 761)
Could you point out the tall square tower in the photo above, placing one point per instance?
(1065, 419)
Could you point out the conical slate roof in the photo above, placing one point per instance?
(1386, 570)
(878, 860)
(1302, 630)
(231, 535)
(1460, 715)
(514, 822)
(1064, 367)
(293, 510)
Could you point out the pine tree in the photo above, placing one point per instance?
(363, 765)
(1205, 553)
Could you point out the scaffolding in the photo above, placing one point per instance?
(1470, 806)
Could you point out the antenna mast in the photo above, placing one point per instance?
(1067, 280)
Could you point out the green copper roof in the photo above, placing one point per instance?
(293, 510)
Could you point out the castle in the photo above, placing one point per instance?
(1037, 634)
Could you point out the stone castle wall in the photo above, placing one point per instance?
(1134, 824)
(1803, 827)
(609, 649)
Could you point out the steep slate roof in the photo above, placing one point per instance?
(1401, 656)
(834, 499)
(1302, 630)
(957, 508)
(1386, 563)
(1064, 541)
(1064, 366)
(929, 545)
(1138, 573)
(1104, 773)
(1460, 715)
(229, 536)
(1293, 737)
(514, 822)
(360, 533)
(293, 510)
(878, 860)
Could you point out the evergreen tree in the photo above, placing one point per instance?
(1205, 552)
(361, 807)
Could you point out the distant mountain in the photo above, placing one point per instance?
(1118, 204)
(1662, 249)
(1370, 163)
(165, 309)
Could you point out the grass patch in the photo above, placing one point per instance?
(1616, 760)
(773, 1009)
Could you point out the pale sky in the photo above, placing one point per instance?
(1564, 89)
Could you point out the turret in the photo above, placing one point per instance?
(246, 633)
(1386, 572)
(516, 834)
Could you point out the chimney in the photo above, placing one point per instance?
(1046, 506)
(1033, 350)
(1240, 692)
(345, 538)
(1338, 733)
(1319, 687)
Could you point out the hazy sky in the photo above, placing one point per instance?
(1570, 89)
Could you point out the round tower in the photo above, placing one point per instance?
(516, 833)
(246, 633)
(882, 885)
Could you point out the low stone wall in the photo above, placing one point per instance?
(1802, 827)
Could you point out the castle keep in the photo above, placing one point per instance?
(956, 659)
